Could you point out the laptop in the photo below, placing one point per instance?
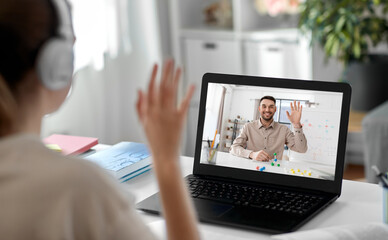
(279, 195)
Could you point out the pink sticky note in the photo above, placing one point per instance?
(71, 145)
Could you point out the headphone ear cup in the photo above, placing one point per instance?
(55, 64)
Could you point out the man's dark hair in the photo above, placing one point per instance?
(269, 98)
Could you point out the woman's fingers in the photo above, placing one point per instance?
(151, 85)
(167, 74)
(175, 84)
(138, 104)
(170, 91)
(166, 84)
(141, 105)
(164, 95)
(185, 103)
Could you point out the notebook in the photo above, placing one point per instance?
(124, 160)
(70, 145)
(279, 195)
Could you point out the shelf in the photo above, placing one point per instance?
(259, 22)
(192, 13)
(239, 122)
(248, 18)
(281, 35)
(208, 33)
(290, 35)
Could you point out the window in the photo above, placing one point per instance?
(283, 105)
(101, 28)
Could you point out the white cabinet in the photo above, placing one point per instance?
(266, 58)
(277, 58)
(201, 56)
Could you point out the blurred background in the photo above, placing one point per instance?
(118, 41)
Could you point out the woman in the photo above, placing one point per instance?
(44, 195)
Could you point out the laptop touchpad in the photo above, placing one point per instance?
(207, 209)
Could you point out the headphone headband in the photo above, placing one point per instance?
(65, 27)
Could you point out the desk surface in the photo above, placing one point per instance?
(359, 203)
(301, 169)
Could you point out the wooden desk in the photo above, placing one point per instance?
(359, 203)
(354, 145)
(355, 121)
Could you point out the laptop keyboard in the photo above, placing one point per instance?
(252, 196)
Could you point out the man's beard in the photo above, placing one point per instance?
(267, 119)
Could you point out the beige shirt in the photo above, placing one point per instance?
(255, 137)
(44, 195)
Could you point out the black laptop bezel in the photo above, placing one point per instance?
(327, 186)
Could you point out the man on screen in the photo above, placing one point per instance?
(260, 139)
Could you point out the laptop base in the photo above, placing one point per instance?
(246, 217)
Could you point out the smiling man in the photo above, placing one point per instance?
(260, 139)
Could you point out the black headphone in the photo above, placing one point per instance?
(55, 60)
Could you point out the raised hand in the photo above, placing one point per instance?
(162, 120)
(296, 114)
(163, 123)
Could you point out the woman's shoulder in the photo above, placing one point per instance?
(86, 176)
(52, 168)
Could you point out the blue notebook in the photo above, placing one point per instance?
(124, 160)
(135, 174)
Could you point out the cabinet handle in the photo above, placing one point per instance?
(273, 49)
(210, 45)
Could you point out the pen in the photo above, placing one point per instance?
(380, 175)
(211, 155)
(215, 135)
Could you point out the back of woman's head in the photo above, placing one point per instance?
(24, 27)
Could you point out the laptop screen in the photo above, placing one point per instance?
(272, 126)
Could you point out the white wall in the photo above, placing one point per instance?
(102, 103)
(240, 101)
(243, 99)
(330, 70)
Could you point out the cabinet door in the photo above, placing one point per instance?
(203, 56)
(277, 59)
(265, 59)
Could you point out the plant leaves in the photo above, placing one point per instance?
(329, 43)
(335, 47)
(340, 24)
(346, 29)
(357, 50)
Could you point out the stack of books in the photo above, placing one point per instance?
(124, 160)
(70, 145)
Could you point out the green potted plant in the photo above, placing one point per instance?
(348, 30)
